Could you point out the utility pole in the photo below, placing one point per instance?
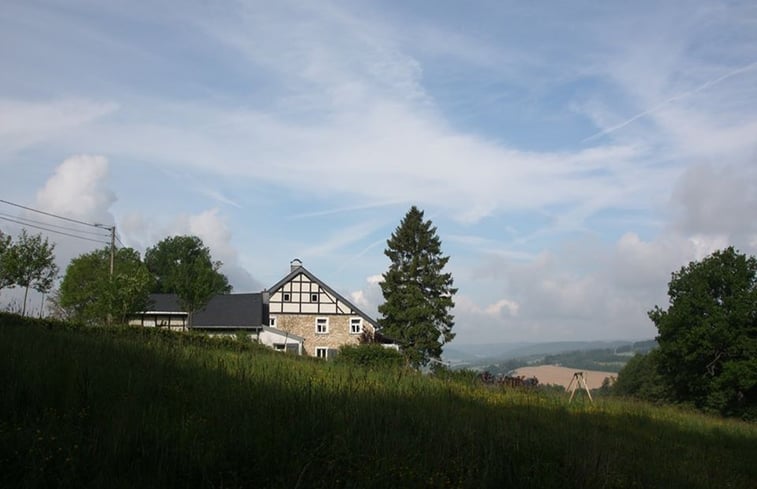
(112, 230)
(112, 248)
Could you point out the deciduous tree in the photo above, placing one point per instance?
(5, 244)
(29, 262)
(417, 292)
(182, 265)
(88, 292)
(708, 334)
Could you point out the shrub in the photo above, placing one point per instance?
(372, 356)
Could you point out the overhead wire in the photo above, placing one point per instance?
(52, 215)
(118, 238)
(52, 230)
(44, 226)
(65, 228)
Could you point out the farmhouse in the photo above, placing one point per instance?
(225, 314)
(300, 314)
(302, 304)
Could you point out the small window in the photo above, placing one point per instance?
(322, 325)
(322, 352)
(287, 297)
(272, 321)
(356, 325)
(313, 297)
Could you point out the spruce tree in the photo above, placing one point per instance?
(417, 294)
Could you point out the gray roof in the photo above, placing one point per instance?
(165, 303)
(222, 311)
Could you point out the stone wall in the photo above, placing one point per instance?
(305, 325)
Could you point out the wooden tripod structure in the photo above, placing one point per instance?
(576, 383)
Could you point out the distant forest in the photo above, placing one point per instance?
(603, 359)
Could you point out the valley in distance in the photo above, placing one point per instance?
(551, 362)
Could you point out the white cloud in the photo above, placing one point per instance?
(213, 229)
(359, 299)
(498, 309)
(375, 279)
(27, 123)
(78, 189)
(717, 200)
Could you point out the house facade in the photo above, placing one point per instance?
(303, 305)
(299, 314)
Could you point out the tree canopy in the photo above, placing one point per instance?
(708, 334)
(89, 294)
(417, 293)
(182, 265)
(28, 262)
(5, 244)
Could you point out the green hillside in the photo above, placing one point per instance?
(124, 407)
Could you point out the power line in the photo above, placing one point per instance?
(52, 230)
(41, 223)
(51, 215)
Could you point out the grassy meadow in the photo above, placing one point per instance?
(139, 408)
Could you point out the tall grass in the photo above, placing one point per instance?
(128, 407)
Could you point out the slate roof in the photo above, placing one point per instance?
(222, 311)
(164, 303)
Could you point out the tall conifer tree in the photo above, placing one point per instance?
(417, 293)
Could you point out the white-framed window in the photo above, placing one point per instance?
(314, 297)
(287, 297)
(321, 325)
(321, 352)
(356, 325)
(272, 321)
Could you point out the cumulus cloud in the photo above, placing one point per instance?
(716, 200)
(213, 229)
(78, 189)
(498, 309)
(359, 299)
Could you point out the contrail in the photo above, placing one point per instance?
(662, 104)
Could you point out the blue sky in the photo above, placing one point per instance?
(571, 154)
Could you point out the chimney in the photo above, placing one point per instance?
(295, 264)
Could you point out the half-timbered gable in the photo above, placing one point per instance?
(302, 304)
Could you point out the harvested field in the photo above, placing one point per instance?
(552, 374)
